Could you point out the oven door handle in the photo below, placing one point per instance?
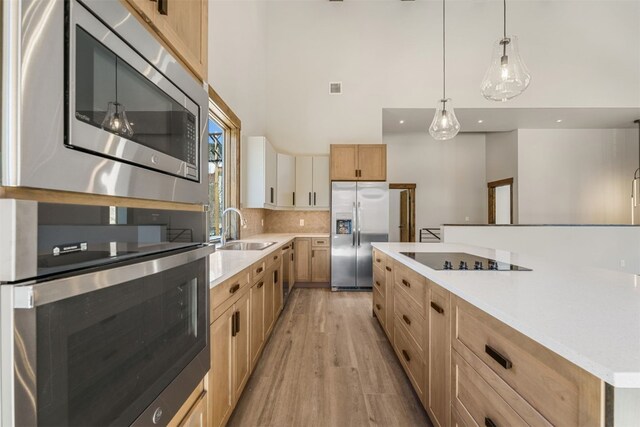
(30, 296)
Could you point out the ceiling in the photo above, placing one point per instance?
(418, 120)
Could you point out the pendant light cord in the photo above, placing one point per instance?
(504, 18)
(444, 66)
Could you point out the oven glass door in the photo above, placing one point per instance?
(104, 356)
(122, 107)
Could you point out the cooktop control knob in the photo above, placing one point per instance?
(493, 265)
(478, 265)
(463, 266)
(448, 265)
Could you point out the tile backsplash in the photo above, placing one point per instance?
(255, 219)
(289, 221)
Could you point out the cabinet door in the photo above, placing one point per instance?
(269, 292)
(321, 183)
(372, 162)
(145, 8)
(254, 185)
(344, 162)
(438, 360)
(271, 174)
(303, 259)
(197, 416)
(304, 181)
(389, 298)
(292, 270)
(286, 184)
(320, 264)
(242, 344)
(257, 320)
(221, 373)
(277, 289)
(183, 25)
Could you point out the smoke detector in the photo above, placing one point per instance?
(335, 88)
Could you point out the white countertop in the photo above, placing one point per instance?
(589, 316)
(224, 264)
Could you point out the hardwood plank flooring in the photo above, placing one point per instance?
(328, 363)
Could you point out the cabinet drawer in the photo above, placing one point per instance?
(409, 358)
(562, 392)
(258, 269)
(412, 284)
(228, 289)
(379, 282)
(379, 259)
(273, 259)
(475, 401)
(320, 241)
(379, 307)
(409, 315)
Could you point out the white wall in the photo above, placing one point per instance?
(597, 246)
(238, 61)
(502, 161)
(449, 176)
(387, 53)
(576, 176)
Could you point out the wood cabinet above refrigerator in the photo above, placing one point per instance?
(363, 162)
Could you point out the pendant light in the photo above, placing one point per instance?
(116, 118)
(507, 76)
(445, 125)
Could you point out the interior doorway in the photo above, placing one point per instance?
(500, 202)
(402, 212)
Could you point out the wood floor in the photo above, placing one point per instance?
(328, 363)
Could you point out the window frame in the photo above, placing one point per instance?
(223, 114)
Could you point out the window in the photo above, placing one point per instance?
(223, 176)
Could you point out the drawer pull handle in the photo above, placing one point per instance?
(378, 306)
(320, 242)
(378, 260)
(377, 283)
(406, 319)
(234, 288)
(259, 270)
(406, 356)
(275, 257)
(388, 268)
(488, 422)
(407, 284)
(437, 308)
(260, 285)
(503, 361)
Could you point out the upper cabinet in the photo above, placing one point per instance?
(260, 168)
(182, 25)
(364, 162)
(286, 184)
(312, 182)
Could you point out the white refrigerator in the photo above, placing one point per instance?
(359, 216)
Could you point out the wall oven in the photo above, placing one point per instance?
(95, 104)
(107, 323)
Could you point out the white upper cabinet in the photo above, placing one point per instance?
(312, 182)
(260, 170)
(286, 184)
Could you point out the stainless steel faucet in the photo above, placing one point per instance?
(243, 222)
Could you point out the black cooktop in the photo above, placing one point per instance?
(461, 261)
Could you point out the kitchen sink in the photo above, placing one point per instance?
(245, 246)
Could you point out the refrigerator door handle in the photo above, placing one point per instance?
(358, 222)
(353, 227)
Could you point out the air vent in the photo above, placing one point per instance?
(335, 88)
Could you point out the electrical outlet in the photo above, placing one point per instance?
(302, 223)
(623, 263)
(466, 218)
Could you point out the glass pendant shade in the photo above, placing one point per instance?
(445, 125)
(116, 120)
(508, 76)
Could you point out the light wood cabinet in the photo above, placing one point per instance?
(221, 373)
(242, 343)
(197, 416)
(277, 288)
(439, 353)
(269, 292)
(303, 259)
(286, 184)
(363, 162)
(260, 173)
(312, 182)
(183, 27)
(320, 264)
(257, 320)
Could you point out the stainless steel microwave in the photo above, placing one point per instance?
(95, 104)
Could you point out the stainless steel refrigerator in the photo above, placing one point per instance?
(359, 216)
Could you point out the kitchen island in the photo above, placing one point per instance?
(572, 334)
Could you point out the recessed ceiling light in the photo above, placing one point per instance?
(559, 121)
(401, 122)
(480, 121)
